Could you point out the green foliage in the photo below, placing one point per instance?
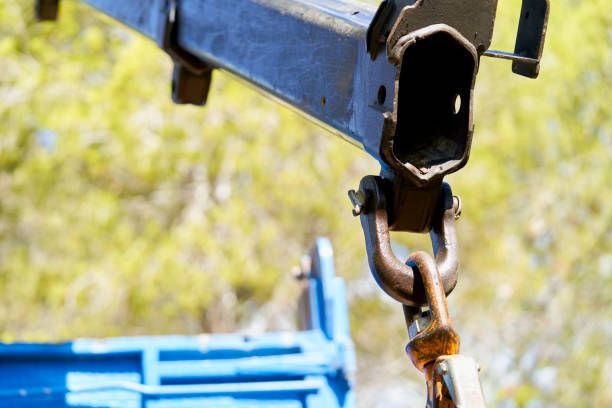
(144, 216)
(123, 214)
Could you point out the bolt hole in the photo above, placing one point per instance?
(527, 16)
(382, 95)
(457, 104)
(323, 101)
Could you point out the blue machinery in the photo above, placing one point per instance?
(309, 368)
(398, 81)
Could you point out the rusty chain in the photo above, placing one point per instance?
(421, 285)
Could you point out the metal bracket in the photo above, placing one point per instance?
(46, 10)
(457, 375)
(394, 19)
(191, 76)
(434, 46)
(379, 28)
(529, 39)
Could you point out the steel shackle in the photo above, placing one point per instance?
(393, 276)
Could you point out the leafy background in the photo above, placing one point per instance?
(121, 214)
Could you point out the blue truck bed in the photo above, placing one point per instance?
(309, 368)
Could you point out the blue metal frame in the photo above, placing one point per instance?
(311, 368)
(309, 53)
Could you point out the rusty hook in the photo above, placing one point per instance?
(438, 338)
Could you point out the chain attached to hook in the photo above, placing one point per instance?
(421, 285)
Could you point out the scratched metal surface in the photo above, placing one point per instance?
(141, 15)
(308, 53)
(311, 57)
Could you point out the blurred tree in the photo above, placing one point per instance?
(123, 214)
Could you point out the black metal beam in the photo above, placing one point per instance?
(312, 54)
(397, 81)
(308, 53)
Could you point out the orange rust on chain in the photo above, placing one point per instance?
(438, 338)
